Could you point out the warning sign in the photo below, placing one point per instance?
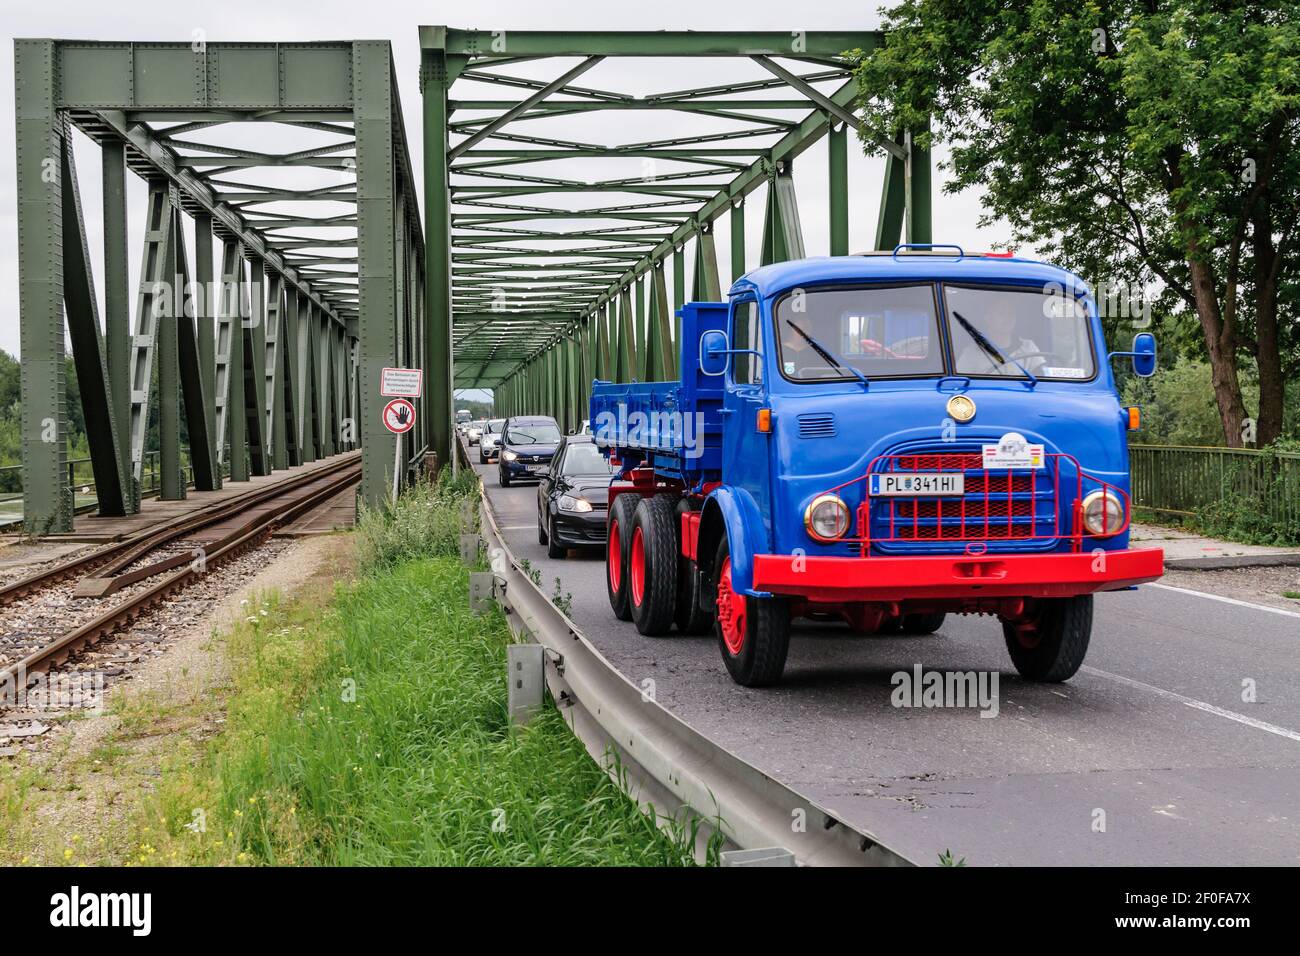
(401, 381)
(399, 416)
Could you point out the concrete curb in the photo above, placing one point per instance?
(1287, 559)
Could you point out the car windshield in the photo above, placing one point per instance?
(533, 433)
(584, 458)
(1042, 332)
(881, 332)
(494, 426)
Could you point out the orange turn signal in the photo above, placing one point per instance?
(765, 420)
(1134, 418)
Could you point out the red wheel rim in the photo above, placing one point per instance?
(731, 611)
(638, 567)
(614, 557)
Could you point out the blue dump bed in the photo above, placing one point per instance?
(677, 426)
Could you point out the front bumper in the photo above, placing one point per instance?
(579, 529)
(882, 578)
(520, 469)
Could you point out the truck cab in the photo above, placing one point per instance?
(889, 439)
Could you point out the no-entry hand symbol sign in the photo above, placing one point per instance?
(399, 416)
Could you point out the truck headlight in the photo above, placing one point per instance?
(509, 455)
(827, 518)
(1102, 513)
(571, 503)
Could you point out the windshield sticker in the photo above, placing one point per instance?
(789, 368)
(1063, 371)
(1012, 451)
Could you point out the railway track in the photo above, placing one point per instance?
(135, 574)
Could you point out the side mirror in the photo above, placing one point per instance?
(1144, 354)
(543, 472)
(713, 352)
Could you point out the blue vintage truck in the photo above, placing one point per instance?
(886, 439)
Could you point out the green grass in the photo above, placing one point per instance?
(371, 729)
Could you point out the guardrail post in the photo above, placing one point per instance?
(525, 666)
(481, 591)
(469, 548)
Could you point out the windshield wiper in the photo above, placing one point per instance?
(829, 357)
(991, 350)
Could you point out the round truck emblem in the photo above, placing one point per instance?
(961, 408)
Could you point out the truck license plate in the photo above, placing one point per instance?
(917, 484)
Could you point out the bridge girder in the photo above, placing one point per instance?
(535, 308)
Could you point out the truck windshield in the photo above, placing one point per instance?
(880, 332)
(1044, 333)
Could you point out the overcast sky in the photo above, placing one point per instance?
(288, 20)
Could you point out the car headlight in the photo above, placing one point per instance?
(827, 518)
(1102, 513)
(571, 503)
(509, 455)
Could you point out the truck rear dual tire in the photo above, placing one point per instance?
(753, 633)
(1051, 646)
(652, 565)
(618, 537)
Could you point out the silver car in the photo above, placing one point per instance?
(489, 445)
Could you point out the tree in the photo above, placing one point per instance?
(1135, 142)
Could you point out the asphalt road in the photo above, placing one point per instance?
(1148, 756)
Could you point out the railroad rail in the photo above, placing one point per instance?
(197, 542)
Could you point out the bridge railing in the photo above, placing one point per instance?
(1186, 480)
(81, 479)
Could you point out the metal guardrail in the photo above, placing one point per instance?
(661, 760)
(1186, 479)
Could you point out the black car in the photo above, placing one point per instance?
(573, 497)
(527, 444)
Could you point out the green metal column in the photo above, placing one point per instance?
(707, 288)
(276, 406)
(626, 336)
(168, 362)
(206, 329)
(203, 465)
(838, 174)
(905, 198)
(306, 391)
(437, 70)
(325, 386)
(737, 239)
(48, 498)
(233, 325)
(112, 482)
(919, 227)
(255, 370)
(373, 118)
(665, 356)
(117, 309)
(782, 234)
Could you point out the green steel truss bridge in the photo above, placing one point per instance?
(532, 275)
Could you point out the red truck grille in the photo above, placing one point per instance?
(1017, 508)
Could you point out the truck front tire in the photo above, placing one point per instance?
(1050, 646)
(652, 565)
(619, 535)
(753, 633)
